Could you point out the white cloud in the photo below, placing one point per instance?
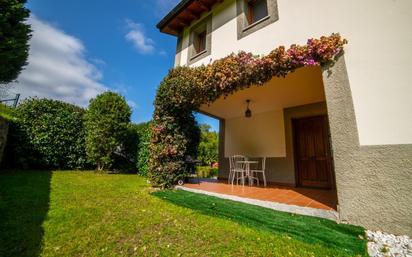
(132, 104)
(57, 67)
(137, 37)
(98, 61)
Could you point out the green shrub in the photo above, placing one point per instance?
(107, 120)
(170, 143)
(142, 155)
(126, 157)
(48, 134)
(206, 172)
(135, 151)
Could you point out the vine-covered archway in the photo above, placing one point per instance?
(185, 89)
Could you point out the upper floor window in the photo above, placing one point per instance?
(257, 10)
(200, 40)
(254, 15)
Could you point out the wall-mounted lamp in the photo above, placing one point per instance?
(248, 112)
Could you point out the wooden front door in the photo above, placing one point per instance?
(313, 156)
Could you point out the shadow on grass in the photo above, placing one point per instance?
(304, 228)
(24, 203)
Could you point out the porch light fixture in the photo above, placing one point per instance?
(248, 112)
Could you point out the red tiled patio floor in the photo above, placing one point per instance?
(305, 197)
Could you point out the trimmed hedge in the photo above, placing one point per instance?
(47, 134)
(51, 134)
(142, 155)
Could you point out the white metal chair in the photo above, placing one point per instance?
(254, 173)
(231, 169)
(237, 170)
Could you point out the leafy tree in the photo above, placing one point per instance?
(208, 146)
(107, 121)
(14, 37)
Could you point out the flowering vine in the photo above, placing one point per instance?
(184, 89)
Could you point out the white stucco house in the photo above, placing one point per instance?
(347, 127)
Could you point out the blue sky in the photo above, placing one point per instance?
(81, 48)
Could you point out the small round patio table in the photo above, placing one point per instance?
(247, 169)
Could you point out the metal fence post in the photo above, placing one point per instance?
(16, 100)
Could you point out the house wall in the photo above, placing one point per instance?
(377, 57)
(263, 134)
(373, 182)
(268, 135)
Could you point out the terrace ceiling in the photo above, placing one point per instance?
(304, 86)
(184, 14)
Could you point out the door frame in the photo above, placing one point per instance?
(330, 162)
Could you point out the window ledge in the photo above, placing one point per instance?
(255, 23)
(198, 54)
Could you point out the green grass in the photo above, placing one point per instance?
(6, 112)
(88, 214)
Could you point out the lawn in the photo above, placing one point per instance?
(87, 214)
(6, 112)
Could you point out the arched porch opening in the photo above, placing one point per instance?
(186, 90)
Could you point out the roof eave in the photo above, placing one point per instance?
(183, 4)
(183, 14)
